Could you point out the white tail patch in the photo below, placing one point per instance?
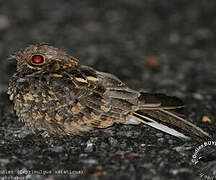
(159, 126)
(131, 120)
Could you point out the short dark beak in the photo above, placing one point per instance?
(13, 56)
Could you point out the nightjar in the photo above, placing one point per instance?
(51, 91)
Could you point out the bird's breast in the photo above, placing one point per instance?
(40, 100)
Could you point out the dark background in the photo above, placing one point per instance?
(157, 46)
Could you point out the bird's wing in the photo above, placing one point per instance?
(102, 99)
(156, 110)
(94, 99)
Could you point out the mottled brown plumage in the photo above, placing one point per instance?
(51, 91)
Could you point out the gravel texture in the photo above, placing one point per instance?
(156, 46)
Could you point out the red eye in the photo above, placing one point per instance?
(38, 59)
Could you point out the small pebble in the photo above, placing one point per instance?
(206, 119)
(57, 149)
(4, 22)
(89, 161)
(159, 134)
(161, 140)
(198, 96)
(89, 147)
(182, 148)
(112, 141)
(4, 161)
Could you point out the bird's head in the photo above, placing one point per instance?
(43, 58)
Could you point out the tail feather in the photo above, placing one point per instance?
(159, 101)
(170, 122)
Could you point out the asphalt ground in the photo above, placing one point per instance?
(155, 46)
